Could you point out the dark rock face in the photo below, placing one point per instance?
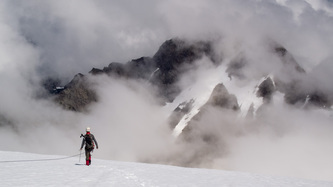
(293, 91)
(181, 110)
(175, 52)
(236, 66)
(288, 59)
(50, 83)
(163, 70)
(174, 58)
(96, 71)
(77, 94)
(51, 86)
(220, 99)
(207, 134)
(319, 99)
(297, 94)
(140, 68)
(266, 89)
(293, 87)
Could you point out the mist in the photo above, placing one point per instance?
(59, 39)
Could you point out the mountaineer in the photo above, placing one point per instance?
(89, 141)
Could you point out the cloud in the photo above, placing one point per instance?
(291, 142)
(128, 123)
(75, 36)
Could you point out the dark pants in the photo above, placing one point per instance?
(88, 156)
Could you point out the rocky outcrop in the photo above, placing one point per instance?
(299, 92)
(77, 94)
(287, 59)
(294, 92)
(266, 90)
(140, 68)
(164, 69)
(319, 99)
(181, 110)
(206, 130)
(50, 84)
(221, 100)
(174, 58)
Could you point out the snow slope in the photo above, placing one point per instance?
(201, 89)
(69, 172)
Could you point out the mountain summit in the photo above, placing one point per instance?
(176, 57)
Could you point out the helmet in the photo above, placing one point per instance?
(88, 129)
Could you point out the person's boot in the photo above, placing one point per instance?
(87, 162)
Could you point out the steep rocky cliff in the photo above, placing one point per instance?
(174, 58)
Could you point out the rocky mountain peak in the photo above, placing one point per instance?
(77, 94)
(174, 58)
(266, 89)
(220, 97)
(288, 59)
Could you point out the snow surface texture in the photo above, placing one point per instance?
(69, 172)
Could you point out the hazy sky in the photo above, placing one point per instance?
(72, 37)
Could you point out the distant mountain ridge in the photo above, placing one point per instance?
(174, 58)
(163, 70)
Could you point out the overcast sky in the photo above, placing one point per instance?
(71, 37)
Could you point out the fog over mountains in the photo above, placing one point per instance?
(232, 85)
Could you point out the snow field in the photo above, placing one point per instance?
(69, 172)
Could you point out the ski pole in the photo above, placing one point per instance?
(80, 156)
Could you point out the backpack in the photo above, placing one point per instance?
(89, 142)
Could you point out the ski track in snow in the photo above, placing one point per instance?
(69, 172)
